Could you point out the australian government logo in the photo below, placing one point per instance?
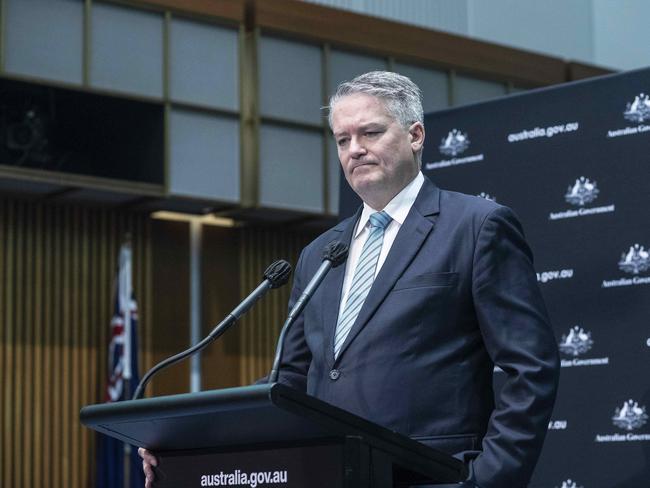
(575, 344)
(579, 194)
(628, 417)
(582, 191)
(453, 145)
(638, 112)
(639, 109)
(569, 483)
(634, 261)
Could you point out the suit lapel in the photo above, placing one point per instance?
(417, 226)
(332, 288)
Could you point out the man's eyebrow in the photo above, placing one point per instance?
(372, 125)
(369, 125)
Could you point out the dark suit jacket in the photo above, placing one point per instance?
(456, 295)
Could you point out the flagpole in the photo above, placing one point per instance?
(125, 298)
(196, 237)
(117, 462)
(125, 301)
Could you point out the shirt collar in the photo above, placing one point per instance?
(398, 208)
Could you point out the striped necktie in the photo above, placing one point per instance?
(364, 275)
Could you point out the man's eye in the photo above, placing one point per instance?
(372, 133)
(341, 142)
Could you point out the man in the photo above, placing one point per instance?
(438, 287)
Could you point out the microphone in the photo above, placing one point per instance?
(275, 276)
(334, 254)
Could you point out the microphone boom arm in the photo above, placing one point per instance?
(275, 276)
(295, 311)
(334, 254)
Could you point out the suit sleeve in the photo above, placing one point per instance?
(518, 337)
(297, 356)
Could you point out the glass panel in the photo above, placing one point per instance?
(290, 80)
(126, 50)
(203, 155)
(44, 38)
(203, 64)
(344, 66)
(291, 168)
(434, 85)
(470, 90)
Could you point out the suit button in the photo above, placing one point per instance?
(334, 374)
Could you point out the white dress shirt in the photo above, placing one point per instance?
(398, 208)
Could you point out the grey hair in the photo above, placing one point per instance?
(402, 97)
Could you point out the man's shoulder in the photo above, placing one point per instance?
(452, 204)
(470, 205)
(471, 213)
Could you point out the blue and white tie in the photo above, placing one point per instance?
(364, 275)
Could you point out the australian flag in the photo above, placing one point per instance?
(122, 381)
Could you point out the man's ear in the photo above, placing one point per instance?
(416, 136)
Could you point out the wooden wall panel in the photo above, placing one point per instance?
(171, 313)
(220, 362)
(57, 266)
(260, 328)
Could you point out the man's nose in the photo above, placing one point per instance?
(356, 148)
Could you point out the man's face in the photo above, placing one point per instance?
(377, 154)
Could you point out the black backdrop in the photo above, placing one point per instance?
(573, 162)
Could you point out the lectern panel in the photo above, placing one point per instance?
(295, 467)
